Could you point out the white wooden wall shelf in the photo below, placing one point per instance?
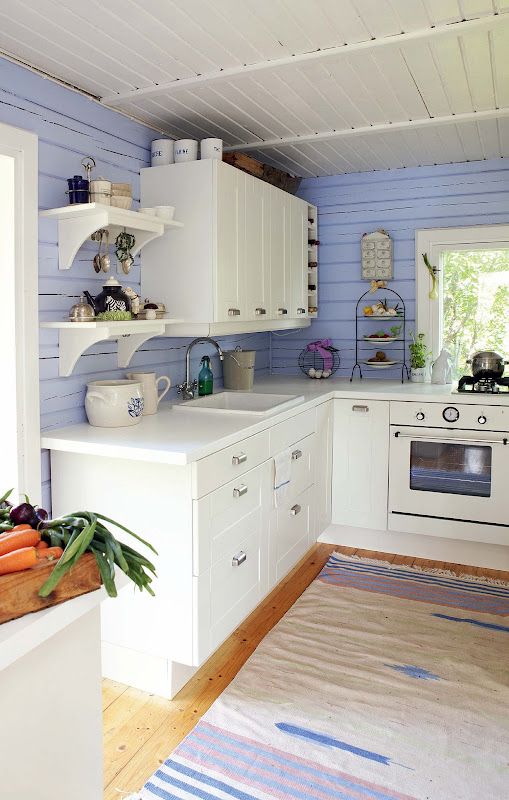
(76, 223)
(76, 337)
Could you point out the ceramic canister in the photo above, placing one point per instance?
(186, 150)
(161, 152)
(211, 148)
(150, 385)
(114, 403)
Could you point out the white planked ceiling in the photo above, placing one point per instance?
(316, 87)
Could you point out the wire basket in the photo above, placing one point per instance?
(319, 361)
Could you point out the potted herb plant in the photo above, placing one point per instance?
(420, 355)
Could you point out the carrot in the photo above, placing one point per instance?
(21, 528)
(17, 540)
(51, 553)
(18, 560)
(42, 545)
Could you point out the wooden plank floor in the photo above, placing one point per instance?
(140, 730)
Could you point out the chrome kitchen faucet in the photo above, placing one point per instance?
(188, 388)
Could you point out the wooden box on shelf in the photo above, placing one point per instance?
(19, 591)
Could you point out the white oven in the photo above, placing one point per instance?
(449, 470)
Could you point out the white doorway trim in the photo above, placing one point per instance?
(434, 241)
(21, 318)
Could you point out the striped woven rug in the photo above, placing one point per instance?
(380, 683)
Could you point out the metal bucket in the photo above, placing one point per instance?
(238, 369)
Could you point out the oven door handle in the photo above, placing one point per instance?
(448, 439)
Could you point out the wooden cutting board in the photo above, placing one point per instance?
(18, 592)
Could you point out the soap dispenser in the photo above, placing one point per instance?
(205, 377)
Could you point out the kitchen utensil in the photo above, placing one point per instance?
(487, 364)
(112, 298)
(100, 191)
(238, 369)
(105, 258)
(98, 237)
(121, 201)
(121, 195)
(114, 403)
(211, 148)
(82, 311)
(78, 189)
(124, 243)
(161, 152)
(149, 384)
(186, 150)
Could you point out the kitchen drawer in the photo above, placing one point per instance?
(213, 471)
(221, 517)
(226, 593)
(291, 430)
(303, 465)
(288, 536)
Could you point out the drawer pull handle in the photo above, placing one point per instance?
(238, 492)
(260, 311)
(296, 509)
(364, 409)
(241, 459)
(234, 312)
(282, 311)
(296, 455)
(239, 559)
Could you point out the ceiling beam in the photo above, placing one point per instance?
(408, 125)
(395, 40)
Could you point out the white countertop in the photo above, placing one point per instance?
(180, 437)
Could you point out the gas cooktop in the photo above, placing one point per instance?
(469, 384)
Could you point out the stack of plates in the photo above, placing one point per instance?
(121, 195)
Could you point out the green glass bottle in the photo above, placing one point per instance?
(205, 377)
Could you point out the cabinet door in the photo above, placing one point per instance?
(323, 468)
(297, 252)
(257, 249)
(360, 463)
(280, 276)
(230, 246)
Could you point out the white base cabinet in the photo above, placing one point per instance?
(360, 463)
(221, 544)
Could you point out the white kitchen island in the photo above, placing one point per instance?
(50, 703)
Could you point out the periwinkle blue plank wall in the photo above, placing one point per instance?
(401, 201)
(69, 127)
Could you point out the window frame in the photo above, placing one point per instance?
(23, 315)
(434, 241)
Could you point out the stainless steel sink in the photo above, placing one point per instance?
(242, 403)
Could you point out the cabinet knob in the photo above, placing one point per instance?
(296, 509)
(301, 311)
(363, 409)
(234, 312)
(296, 454)
(260, 311)
(240, 459)
(239, 491)
(239, 559)
(282, 311)
(420, 416)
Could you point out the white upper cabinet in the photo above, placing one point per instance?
(241, 257)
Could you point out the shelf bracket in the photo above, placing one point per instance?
(72, 233)
(72, 344)
(128, 344)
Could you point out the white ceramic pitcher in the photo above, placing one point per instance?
(149, 388)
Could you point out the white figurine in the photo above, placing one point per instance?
(441, 372)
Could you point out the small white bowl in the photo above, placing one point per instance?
(148, 210)
(165, 212)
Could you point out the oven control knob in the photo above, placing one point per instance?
(482, 420)
(420, 416)
(451, 414)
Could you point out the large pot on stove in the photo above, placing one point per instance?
(486, 364)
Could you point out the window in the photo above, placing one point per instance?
(472, 309)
